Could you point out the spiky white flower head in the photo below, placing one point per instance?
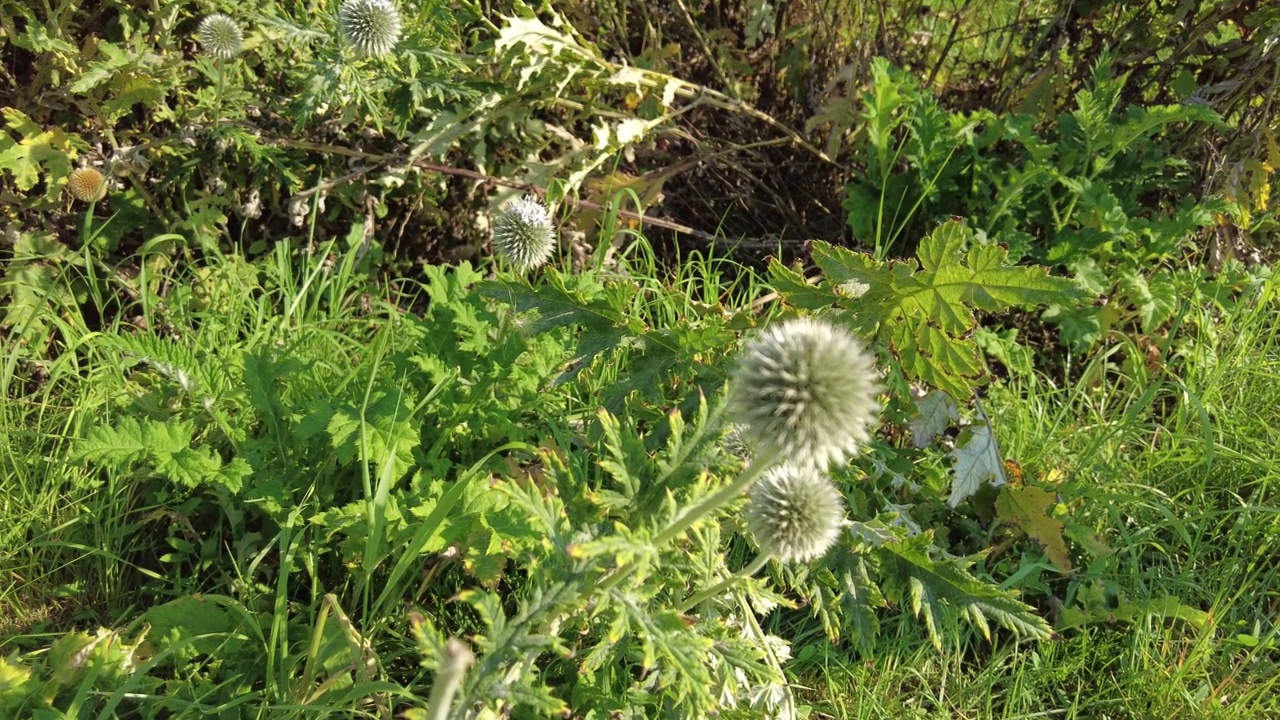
(807, 390)
(371, 26)
(524, 235)
(220, 36)
(736, 444)
(795, 513)
(86, 184)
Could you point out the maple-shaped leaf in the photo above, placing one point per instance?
(926, 306)
(167, 448)
(1155, 298)
(1028, 509)
(382, 429)
(974, 461)
(37, 151)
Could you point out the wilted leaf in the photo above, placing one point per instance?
(1028, 508)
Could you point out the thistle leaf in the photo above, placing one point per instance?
(942, 588)
(975, 461)
(925, 307)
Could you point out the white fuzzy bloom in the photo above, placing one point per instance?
(371, 26)
(523, 235)
(795, 513)
(220, 36)
(807, 390)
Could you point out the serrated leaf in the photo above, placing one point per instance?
(166, 447)
(1155, 298)
(1090, 275)
(36, 151)
(101, 70)
(188, 618)
(587, 305)
(1166, 608)
(791, 285)
(1029, 509)
(935, 411)
(381, 430)
(975, 461)
(115, 447)
(942, 587)
(926, 306)
(861, 599)
(936, 358)
(13, 681)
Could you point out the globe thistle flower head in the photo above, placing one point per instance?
(220, 36)
(806, 390)
(371, 26)
(736, 444)
(87, 184)
(795, 513)
(523, 234)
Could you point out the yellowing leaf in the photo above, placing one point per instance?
(1028, 509)
(36, 151)
(926, 306)
(1259, 184)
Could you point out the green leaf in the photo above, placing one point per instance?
(573, 302)
(1029, 509)
(1155, 298)
(942, 589)
(37, 151)
(384, 429)
(14, 683)
(861, 600)
(101, 70)
(164, 447)
(188, 618)
(926, 306)
(1166, 608)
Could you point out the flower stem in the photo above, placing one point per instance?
(743, 574)
(686, 519)
(457, 658)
